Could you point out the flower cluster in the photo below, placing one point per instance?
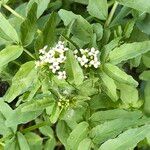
(54, 58)
(88, 57)
(63, 103)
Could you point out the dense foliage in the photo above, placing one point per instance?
(74, 74)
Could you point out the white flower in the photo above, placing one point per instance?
(61, 75)
(61, 58)
(37, 64)
(88, 57)
(43, 50)
(54, 68)
(75, 51)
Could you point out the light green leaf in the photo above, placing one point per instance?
(145, 59)
(77, 135)
(140, 5)
(22, 80)
(109, 86)
(5, 112)
(144, 24)
(67, 16)
(7, 31)
(145, 75)
(128, 51)
(147, 98)
(50, 144)
(85, 144)
(63, 131)
(12, 144)
(102, 116)
(129, 28)
(128, 94)
(38, 104)
(73, 69)
(28, 27)
(98, 29)
(119, 75)
(9, 54)
(23, 145)
(34, 140)
(87, 87)
(98, 9)
(111, 129)
(55, 113)
(127, 140)
(42, 6)
(18, 117)
(82, 30)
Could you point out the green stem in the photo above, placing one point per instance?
(35, 127)
(13, 12)
(27, 52)
(17, 15)
(111, 14)
(110, 3)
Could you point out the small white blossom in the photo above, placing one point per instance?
(54, 58)
(87, 57)
(61, 75)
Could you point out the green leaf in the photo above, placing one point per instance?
(98, 29)
(63, 131)
(107, 48)
(82, 30)
(67, 16)
(50, 144)
(73, 69)
(98, 9)
(22, 142)
(9, 54)
(28, 27)
(102, 116)
(110, 129)
(147, 98)
(42, 6)
(140, 5)
(38, 104)
(7, 31)
(34, 140)
(119, 75)
(145, 75)
(18, 117)
(109, 86)
(144, 24)
(145, 59)
(87, 87)
(5, 112)
(22, 80)
(82, 1)
(55, 113)
(48, 35)
(128, 94)
(85, 144)
(127, 140)
(129, 28)
(12, 144)
(128, 51)
(77, 135)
